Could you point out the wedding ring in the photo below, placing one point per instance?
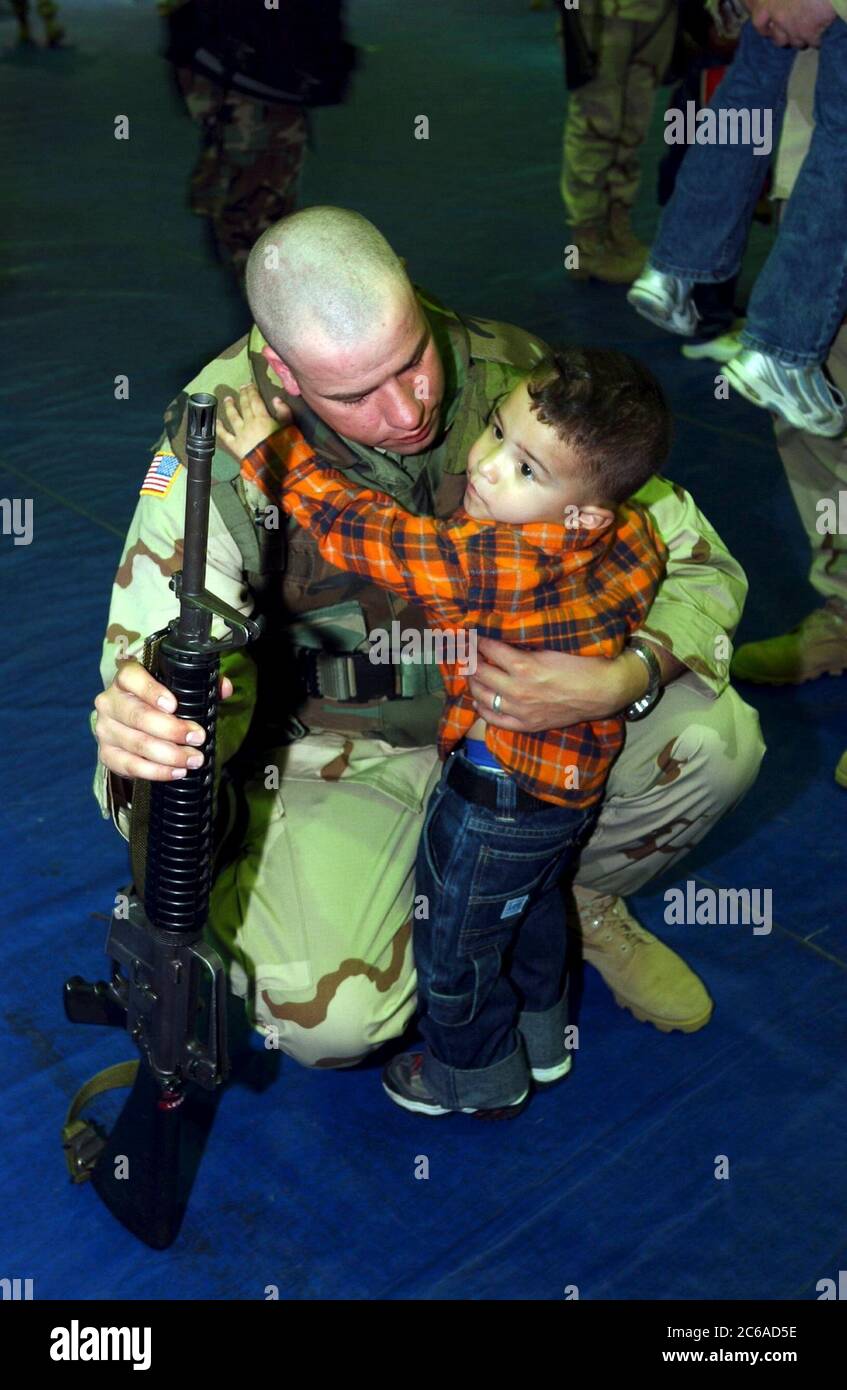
(496, 703)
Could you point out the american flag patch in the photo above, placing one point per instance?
(160, 476)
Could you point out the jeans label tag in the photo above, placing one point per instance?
(514, 906)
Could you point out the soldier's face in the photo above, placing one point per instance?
(385, 393)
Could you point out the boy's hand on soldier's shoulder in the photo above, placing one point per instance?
(244, 423)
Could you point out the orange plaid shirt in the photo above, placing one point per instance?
(541, 585)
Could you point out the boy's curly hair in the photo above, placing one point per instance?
(610, 408)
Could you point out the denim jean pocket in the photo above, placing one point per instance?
(461, 1007)
(505, 885)
(440, 834)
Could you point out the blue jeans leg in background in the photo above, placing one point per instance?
(704, 227)
(800, 296)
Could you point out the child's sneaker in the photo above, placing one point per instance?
(543, 1077)
(402, 1081)
(666, 301)
(801, 395)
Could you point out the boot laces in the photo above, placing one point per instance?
(610, 912)
(819, 621)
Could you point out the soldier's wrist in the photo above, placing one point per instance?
(633, 676)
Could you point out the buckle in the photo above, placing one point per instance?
(347, 677)
(335, 676)
(82, 1144)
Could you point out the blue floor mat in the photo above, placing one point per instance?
(312, 1182)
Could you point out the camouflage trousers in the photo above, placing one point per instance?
(607, 119)
(817, 468)
(314, 915)
(250, 161)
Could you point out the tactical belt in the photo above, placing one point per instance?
(348, 677)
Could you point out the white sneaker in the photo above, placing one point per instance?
(801, 395)
(666, 301)
(548, 1076)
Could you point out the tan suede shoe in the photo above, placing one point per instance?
(815, 647)
(599, 259)
(644, 975)
(622, 239)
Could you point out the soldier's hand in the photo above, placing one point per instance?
(244, 423)
(549, 690)
(137, 733)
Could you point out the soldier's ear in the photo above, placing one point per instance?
(286, 376)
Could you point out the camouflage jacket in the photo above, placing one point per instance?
(254, 564)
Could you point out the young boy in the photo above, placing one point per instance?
(543, 552)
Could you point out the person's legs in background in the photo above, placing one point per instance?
(48, 12)
(652, 46)
(800, 295)
(606, 123)
(704, 227)
(719, 322)
(247, 173)
(816, 469)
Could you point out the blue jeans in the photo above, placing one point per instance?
(491, 953)
(800, 296)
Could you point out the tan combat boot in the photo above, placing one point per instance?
(644, 975)
(599, 259)
(621, 239)
(815, 647)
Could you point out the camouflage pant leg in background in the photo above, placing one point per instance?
(607, 119)
(682, 768)
(817, 468)
(247, 173)
(315, 914)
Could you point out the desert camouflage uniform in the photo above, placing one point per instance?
(815, 467)
(608, 118)
(247, 173)
(313, 900)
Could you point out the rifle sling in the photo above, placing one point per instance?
(80, 1139)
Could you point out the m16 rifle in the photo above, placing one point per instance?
(167, 988)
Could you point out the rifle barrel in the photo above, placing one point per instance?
(199, 449)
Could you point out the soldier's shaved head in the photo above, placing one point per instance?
(344, 329)
(323, 275)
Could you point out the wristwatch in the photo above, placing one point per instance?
(639, 708)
